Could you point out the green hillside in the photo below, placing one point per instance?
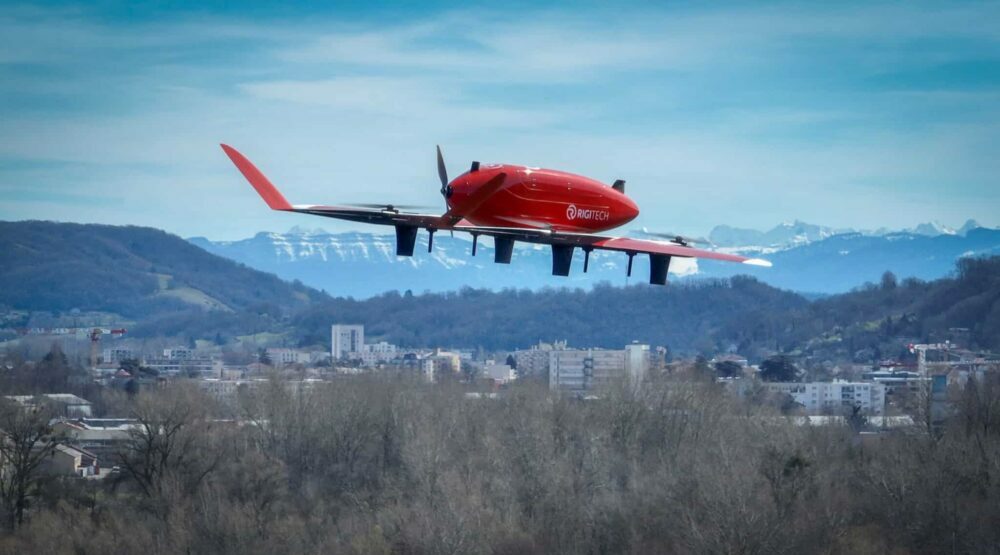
(136, 272)
(708, 316)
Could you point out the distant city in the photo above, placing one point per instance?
(870, 390)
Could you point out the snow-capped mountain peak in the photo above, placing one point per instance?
(933, 229)
(968, 226)
(784, 235)
(806, 257)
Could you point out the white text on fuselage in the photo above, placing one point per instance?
(574, 213)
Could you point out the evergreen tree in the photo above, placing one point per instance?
(728, 369)
(52, 372)
(263, 357)
(778, 368)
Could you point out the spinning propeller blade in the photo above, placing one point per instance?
(389, 207)
(442, 172)
(677, 238)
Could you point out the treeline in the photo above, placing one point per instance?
(703, 316)
(384, 465)
(51, 373)
(689, 315)
(706, 316)
(964, 307)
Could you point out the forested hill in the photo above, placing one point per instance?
(689, 315)
(136, 272)
(703, 316)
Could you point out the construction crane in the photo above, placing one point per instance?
(94, 334)
(921, 352)
(95, 340)
(949, 349)
(932, 393)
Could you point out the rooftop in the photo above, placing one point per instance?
(65, 398)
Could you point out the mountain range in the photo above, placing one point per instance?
(163, 286)
(787, 235)
(807, 258)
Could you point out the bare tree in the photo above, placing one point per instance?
(26, 441)
(384, 465)
(172, 443)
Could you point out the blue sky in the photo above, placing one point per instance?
(862, 115)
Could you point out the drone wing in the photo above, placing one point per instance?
(563, 243)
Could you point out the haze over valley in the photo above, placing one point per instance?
(807, 258)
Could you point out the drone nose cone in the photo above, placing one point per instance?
(628, 210)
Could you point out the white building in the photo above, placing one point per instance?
(445, 361)
(901, 381)
(440, 363)
(834, 397)
(535, 361)
(585, 369)
(500, 373)
(368, 359)
(284, 357)
(382, 348)
(115, 355)
(428, 370)
(180, 353)
(637, 362)
(102, 436)
(67, 460)
(200, 365)
(66, 404)
(346, 339)
(374, 354)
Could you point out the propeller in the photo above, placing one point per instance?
(389, 207)
(443, 174)
(679, 239)
(445, 189)
(445, 192)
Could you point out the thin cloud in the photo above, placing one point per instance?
(407, 98)
(714, 115)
